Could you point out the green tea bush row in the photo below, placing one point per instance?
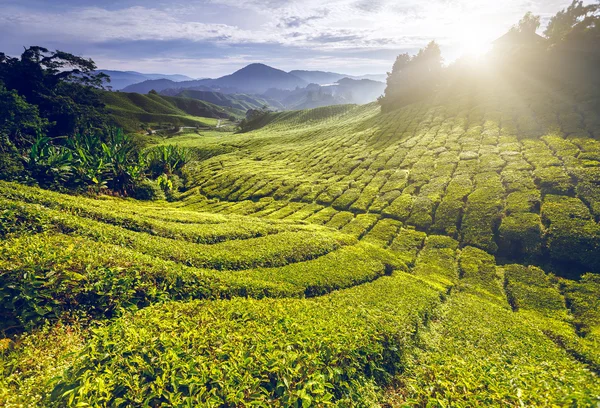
(346, 267)
(335, 349)
(571, 232)
(480, 353)
(45, 276)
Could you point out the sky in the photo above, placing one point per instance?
(211, 38)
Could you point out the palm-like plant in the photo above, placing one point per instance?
(48, 164)
(89, 165)
(166, 159)
(122, 161)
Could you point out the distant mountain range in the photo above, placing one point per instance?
(344, 91)
(257, 85)
(254, 78)
(327, 78)
(122, 79)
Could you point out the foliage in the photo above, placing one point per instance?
(166, 159)
(529, 23)
(62, 86)
(577, 20)
(413, 78)
(92, 160)
(20, 122)
(253, 118)
(149, 190)
(122, 159)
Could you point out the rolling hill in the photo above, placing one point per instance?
(122, 79)
(131, 110)
(240, 103)
(442, 254)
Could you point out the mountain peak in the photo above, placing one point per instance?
(258, 67)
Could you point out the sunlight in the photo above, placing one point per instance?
(474, 39)
(474, 47)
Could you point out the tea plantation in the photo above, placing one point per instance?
(445, 254)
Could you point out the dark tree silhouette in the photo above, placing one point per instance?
(413, 78)
(63, 86)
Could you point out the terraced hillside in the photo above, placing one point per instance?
(509, 168)
(333, 256)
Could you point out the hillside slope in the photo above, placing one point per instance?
(443, 254)
(240, 103)
(131, 110)
(235, 294)
(511, 170)
(122, 79)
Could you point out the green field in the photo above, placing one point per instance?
(445, 254)
(131, 111)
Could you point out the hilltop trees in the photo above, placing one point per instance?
(576, 21)
(62, 86)
(54, 133)
(412, 78)
(529, 23)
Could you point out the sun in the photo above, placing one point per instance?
(473, 39)
(474, 47)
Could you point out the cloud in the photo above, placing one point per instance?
(369, 5)
(154, 32)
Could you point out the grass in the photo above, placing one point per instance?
(131, 111)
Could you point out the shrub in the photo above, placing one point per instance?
(571, 232)
(166, 159)
(520, 233)
(530, 288)
(148, 190)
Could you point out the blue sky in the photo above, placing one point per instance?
(209, 38)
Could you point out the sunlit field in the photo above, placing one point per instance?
(437, 247)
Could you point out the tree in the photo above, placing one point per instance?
(20, 122)
(577, 20)
(529, 23)
(413, 78)
(63, 86)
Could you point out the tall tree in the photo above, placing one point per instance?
(63, 87)
(529, 23)
(576, 21)
(413, 78)
(20, 122)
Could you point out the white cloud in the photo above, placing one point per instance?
(337, 27)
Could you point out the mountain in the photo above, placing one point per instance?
(238, 102)
(344, 91)
(157, 85)
(132, 110)
(254, 78)
(257, 78)
(318, 77)
(372, 77)
(360, 91)
(327, 78)
(122, 79)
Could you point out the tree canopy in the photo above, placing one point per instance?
(62, 86)
(413, 77)
(577, 22)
